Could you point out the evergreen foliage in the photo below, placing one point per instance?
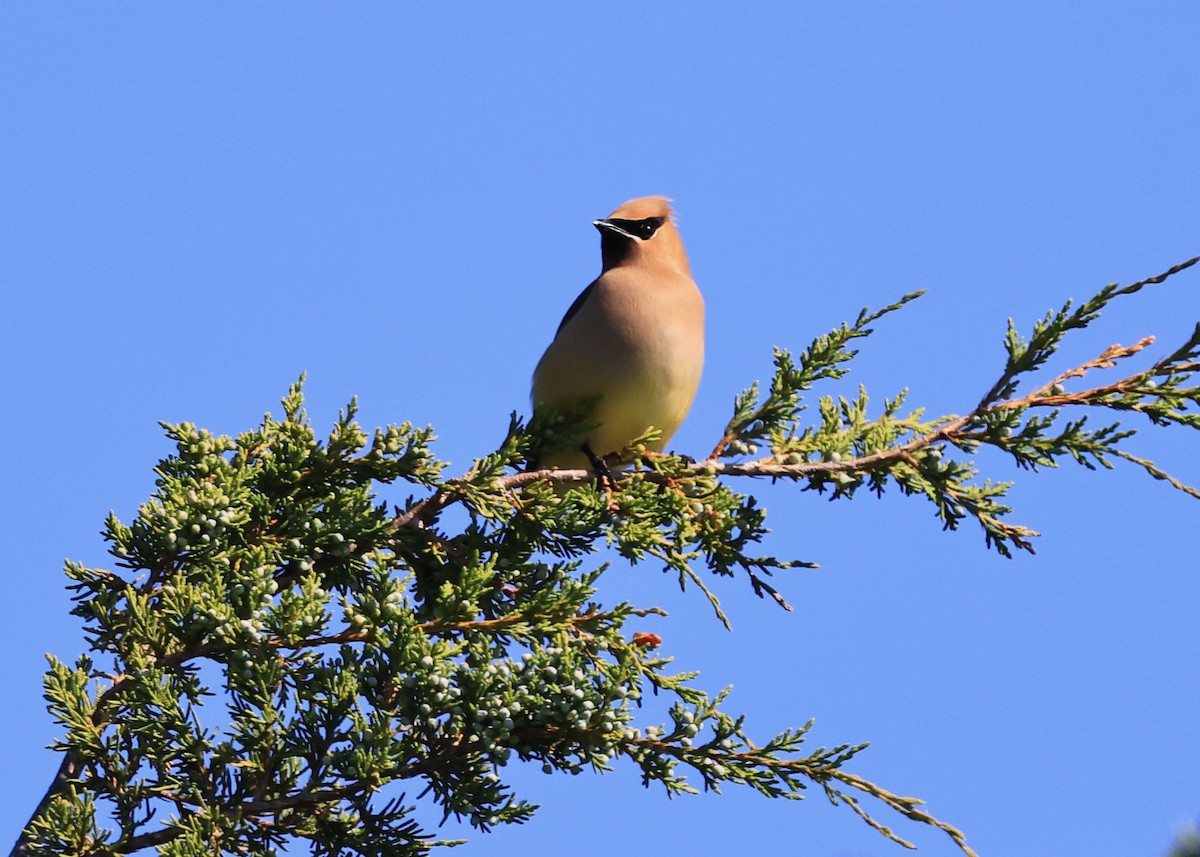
(275, 645)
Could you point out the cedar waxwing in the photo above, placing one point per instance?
(633, 340)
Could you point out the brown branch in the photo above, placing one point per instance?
(67, 772)
(249, 809)
(769, 467)
(1107, 359)
(425, 511)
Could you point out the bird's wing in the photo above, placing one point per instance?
(575, 307)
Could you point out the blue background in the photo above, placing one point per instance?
(200, 201)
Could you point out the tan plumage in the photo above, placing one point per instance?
(634, 337)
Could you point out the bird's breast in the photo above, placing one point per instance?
(637, 346)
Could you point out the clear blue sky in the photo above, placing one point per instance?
(200, 201)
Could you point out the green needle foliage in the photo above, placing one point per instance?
(277, 657)
(1188, 844)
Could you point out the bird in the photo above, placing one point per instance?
(632, 342)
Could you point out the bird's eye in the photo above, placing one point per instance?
(646, 228)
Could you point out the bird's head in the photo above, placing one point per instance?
(642, 232)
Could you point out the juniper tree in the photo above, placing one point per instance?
(1188, 844)
(274, 644)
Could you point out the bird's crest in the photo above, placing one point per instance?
(644, 207)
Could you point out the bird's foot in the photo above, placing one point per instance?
(605, 480)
